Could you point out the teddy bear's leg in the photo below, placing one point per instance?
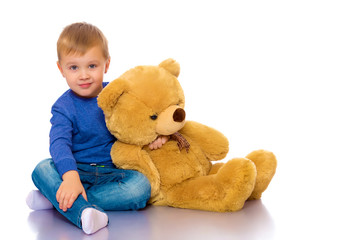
(227, 190)
(265, 162)
(215, 168)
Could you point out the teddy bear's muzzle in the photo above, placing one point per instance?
(170, 120)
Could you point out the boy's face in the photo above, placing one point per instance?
(84, 73)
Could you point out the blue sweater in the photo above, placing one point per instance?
(78, 133)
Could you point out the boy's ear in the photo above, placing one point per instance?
(107, 64)
(110, 95)
(60, 68)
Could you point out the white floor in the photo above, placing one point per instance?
(288, 210)
(254, 222)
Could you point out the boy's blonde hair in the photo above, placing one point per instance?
(77, 38)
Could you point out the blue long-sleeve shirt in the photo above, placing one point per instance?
(78, 133)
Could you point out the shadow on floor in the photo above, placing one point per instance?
(157, 223)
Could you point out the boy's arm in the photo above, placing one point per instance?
(60, 149)
(61, 134)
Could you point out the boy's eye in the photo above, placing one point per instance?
(73, 67)
(92, 66)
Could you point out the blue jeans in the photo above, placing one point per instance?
(107, 188)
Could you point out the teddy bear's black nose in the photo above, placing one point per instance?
(179, 115)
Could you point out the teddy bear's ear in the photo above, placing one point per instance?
(110, 95)
(172, 66)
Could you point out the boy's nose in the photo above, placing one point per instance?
(84, 74)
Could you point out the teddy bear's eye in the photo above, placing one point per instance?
(154, 117)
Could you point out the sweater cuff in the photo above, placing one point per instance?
(66, 165)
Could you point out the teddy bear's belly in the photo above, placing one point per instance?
(175, 166)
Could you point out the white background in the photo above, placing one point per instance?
(279, 75)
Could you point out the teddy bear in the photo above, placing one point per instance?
(147, 102)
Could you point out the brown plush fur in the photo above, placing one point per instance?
(141, 105)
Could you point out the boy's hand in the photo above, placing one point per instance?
(69, 190)
(157, 143)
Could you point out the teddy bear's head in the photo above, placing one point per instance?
(143, 103)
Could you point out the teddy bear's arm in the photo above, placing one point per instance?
(132, 157)
(213, 143)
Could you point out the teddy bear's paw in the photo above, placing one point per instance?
(237, 178)
(266, 163)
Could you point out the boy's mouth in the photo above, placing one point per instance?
(85, 85)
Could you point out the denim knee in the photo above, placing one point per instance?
(43, 172)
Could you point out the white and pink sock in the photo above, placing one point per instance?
(93, 220)
(36, 201)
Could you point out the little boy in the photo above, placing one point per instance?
(80, 180)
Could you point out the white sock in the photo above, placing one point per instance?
(36, 201)
(93, 220)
